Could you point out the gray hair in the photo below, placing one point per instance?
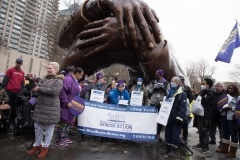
(177, 80)
(220, 83)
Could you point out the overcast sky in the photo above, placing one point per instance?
(197, 29)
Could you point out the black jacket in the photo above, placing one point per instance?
(25, 94)
(207, 102)
(188, 91)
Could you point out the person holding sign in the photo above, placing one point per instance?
(69, 91)
(228, 123)
(141, 88)
(176, 117)
(119, 94)
(157, 90)
(98, 85)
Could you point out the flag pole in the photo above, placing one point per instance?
(237, 22)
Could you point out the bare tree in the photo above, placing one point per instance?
(3, 46)
(191, 72)
(198, 70)
(204, 69)
(235, 73)
(117, 70)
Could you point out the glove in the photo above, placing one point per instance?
(162, 89)
(178, 120)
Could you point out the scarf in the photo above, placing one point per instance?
(138, 87)
(171, 91)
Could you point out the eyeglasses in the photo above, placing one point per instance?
(157, 76)
(19, 63)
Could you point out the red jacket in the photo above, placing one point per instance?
(14, 79)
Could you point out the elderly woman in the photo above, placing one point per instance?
(140, 87)
(70, 89)
(119, 94)
(228, 124)
(175, 120)
(47, 108)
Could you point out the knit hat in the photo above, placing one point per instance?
(160, 72)
(99, 76)
(140, 79)
(120, 83)
(181, 77)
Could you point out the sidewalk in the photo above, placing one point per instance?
(90, 148)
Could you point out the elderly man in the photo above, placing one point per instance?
(175, 120)
(219, 99)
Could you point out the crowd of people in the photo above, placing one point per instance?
(50, 99)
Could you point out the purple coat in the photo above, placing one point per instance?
(70, 89)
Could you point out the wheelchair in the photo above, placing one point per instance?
(18, 123)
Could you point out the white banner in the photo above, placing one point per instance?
(97, 96)
(136, 98)
(165, 111)
(121, 122)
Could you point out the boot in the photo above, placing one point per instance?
(205, 149)
(34, 150)
(165, 149)
(43, 152)
(224, 149)
(232, 153)
(173, 151)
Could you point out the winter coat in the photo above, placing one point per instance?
(145, 101)
(95, 86)
(3, 95)
(70, 89)
(116, 96)
(157, 92)
(230, 113)
(84, 84)
(207, 102)
(188, 91)
(216, 119)
(179, 107)
(25, 94)
(47, 107)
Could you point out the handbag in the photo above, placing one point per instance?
(4, 107)
(197, 107)
(33, 100)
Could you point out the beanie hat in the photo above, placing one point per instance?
(160, 72)
(99, 76)
(181, 77)
(120, 83)
(140, 79)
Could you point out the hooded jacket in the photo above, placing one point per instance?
(47, 107)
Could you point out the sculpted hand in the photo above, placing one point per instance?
(134, 10)
(102, 35)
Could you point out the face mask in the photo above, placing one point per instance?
(139, 83)
(203, 87)
(86, 79)
(173, 84)
(113, 81)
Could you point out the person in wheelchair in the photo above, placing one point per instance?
(26, 97)
(3, 113)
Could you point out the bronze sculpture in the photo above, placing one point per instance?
(105, 32)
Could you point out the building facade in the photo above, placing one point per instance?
(26, 26)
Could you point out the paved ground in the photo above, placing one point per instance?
(89, 148)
